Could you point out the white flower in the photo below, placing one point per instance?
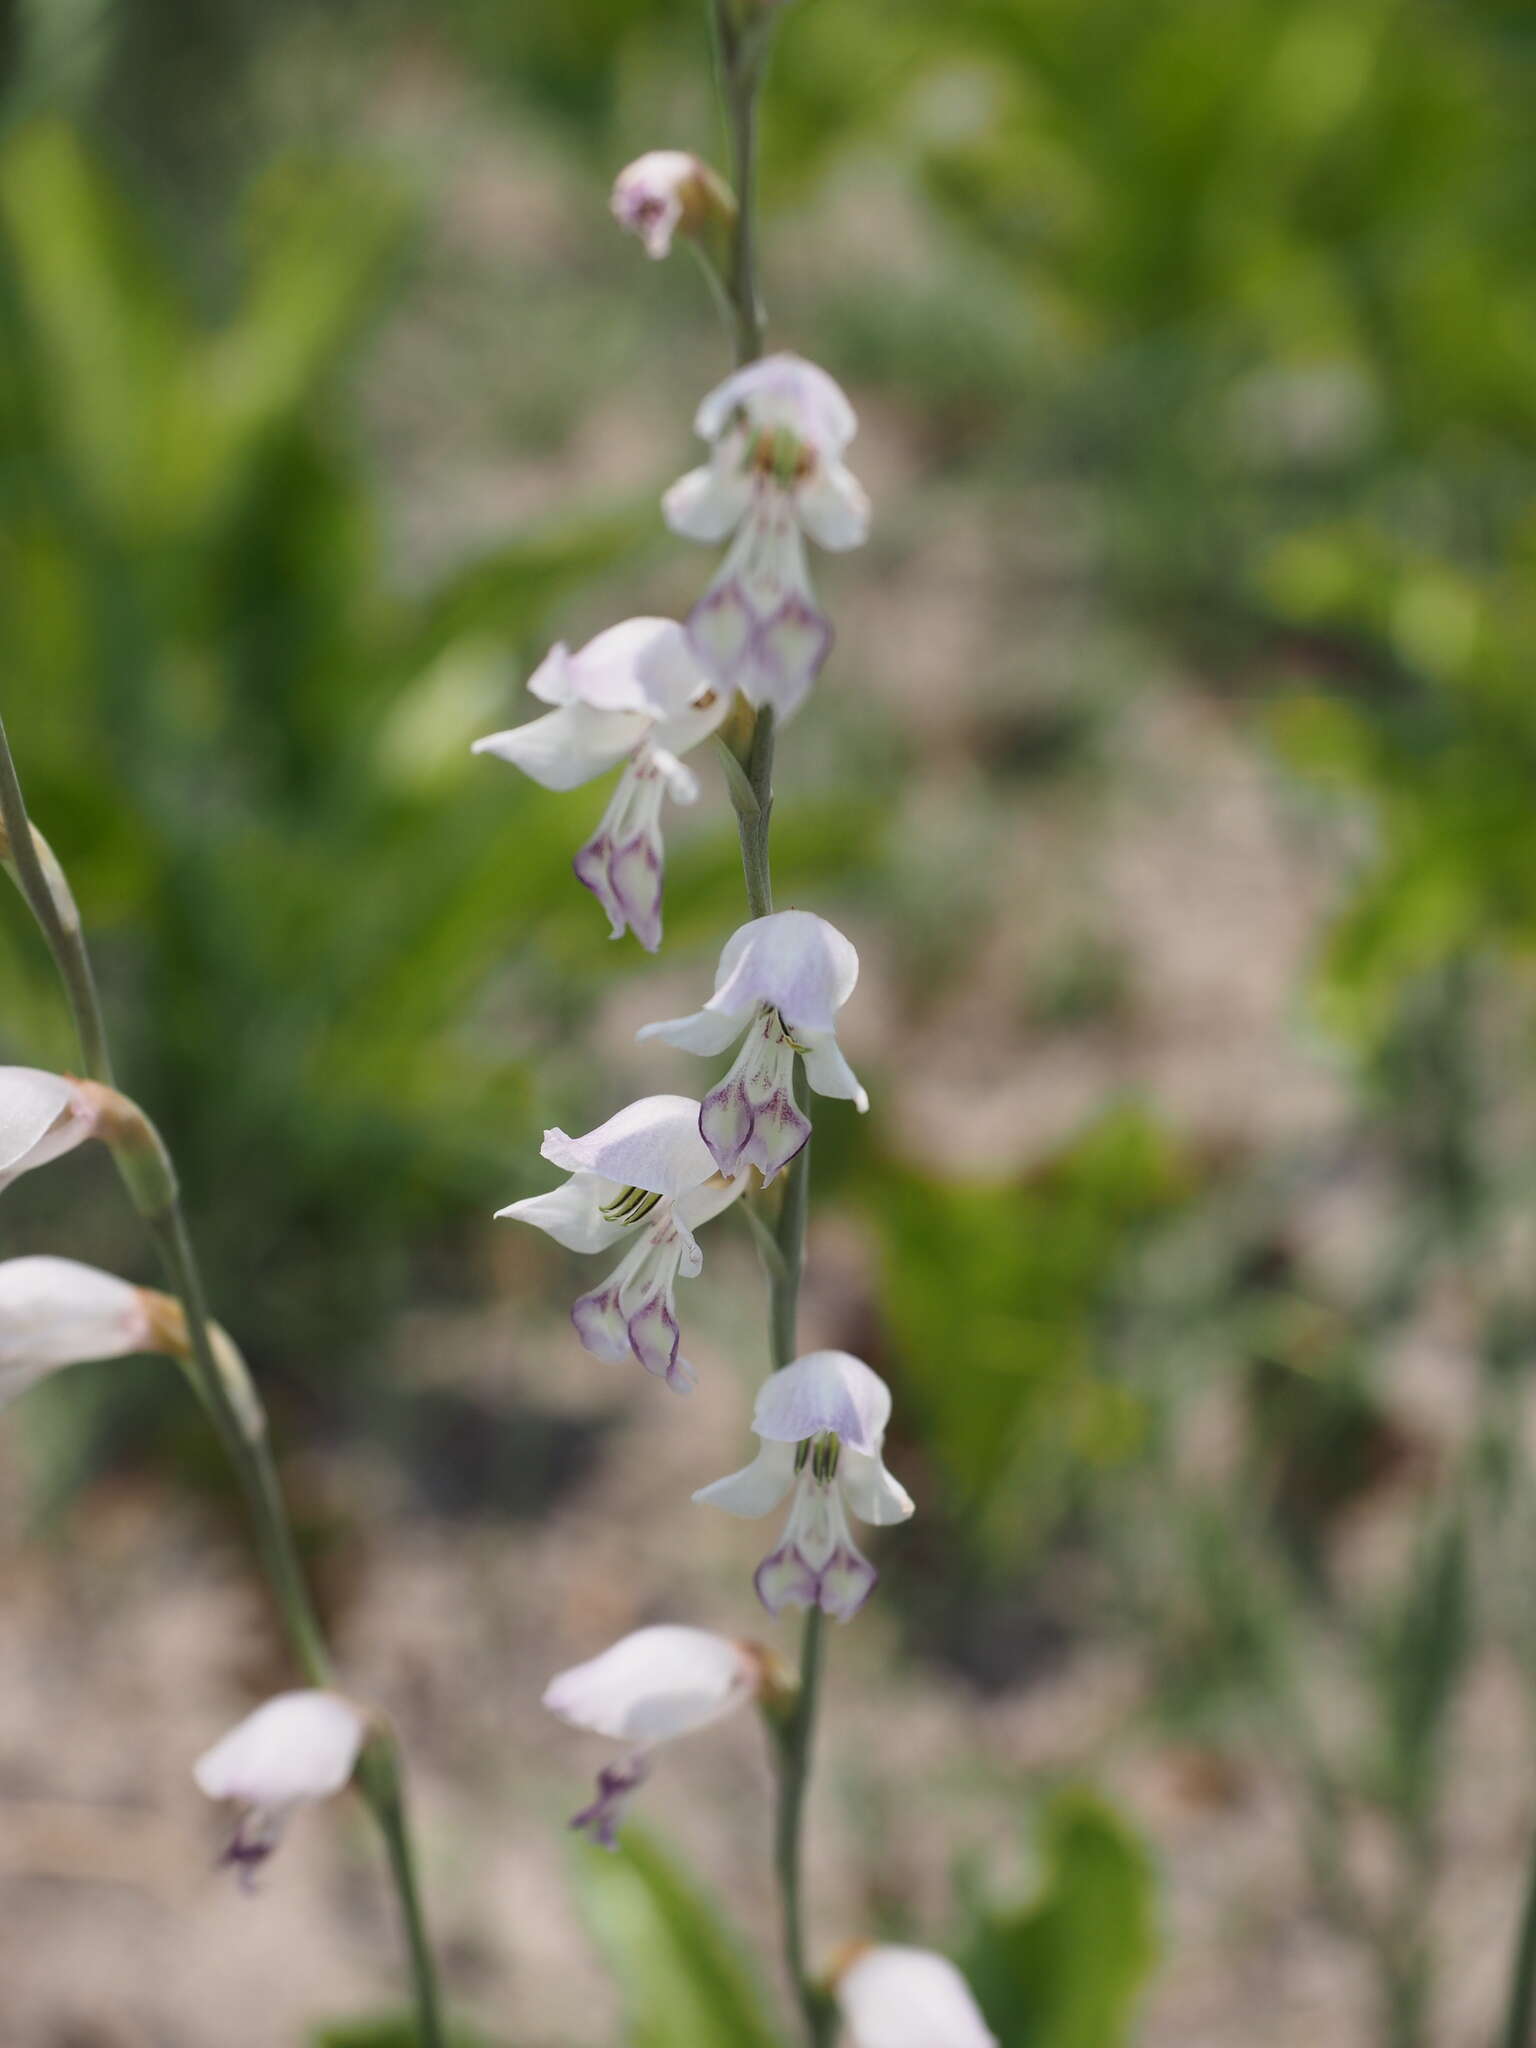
(297, 1747)
(665, 191)
(822, 1423)
(649, 1688)
(778, 430)
(782, 980)
(42, 1116)
(909, 1998)
(55, 1312)
(635, 694)
(645, 1171)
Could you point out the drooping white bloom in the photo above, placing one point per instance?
(296, 1747)
(782, 980)
(822, 1424)
(647, 1172)
(649, 1688)
(777, 431)
(909, 1998)
(635, 694)
(667, 190)
(56, 1312)
(42, 1116)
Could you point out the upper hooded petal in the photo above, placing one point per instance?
(572, 1213)
(653, 1144)
(567, 747)
(871, 1492)
(655, 1684)
(793, 961)
(298, 1745)
(37, 1120)
(56, 1312)
(824, 1392)
(782, 390)
(641, 665)
(756, 1489)
(909, 1998)
(833, 507)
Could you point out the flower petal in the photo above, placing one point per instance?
(793, 961)
(782, 390)
(567, 747)
(654, 1685)
(38, 1120)
(827, 1071)
(709, 502)
(845, 1582)
(833, 507)
(652, 1144)
(757, 1489)
(870, 1491)
(56, 1312)
(824, 1392)
(640, 665)
(706, 1031)
(909, 1998)
(299, 1745)
(572, 1213)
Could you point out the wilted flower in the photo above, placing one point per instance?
(909, 1998)
(649, 1688)
(42, 1116)
(782, 979)
(778, 429)
(822, 1423)
(635, 694)
(296, 1747)
(648, 1171)
(56, 1312)
(668, 192)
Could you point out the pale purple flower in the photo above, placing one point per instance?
(56, 1312)
(646, 1174)
(777, 431)
(649, 1688)
(781, 981)
(822, 1425)
(668, 191)
(894, 1997)
(295, 1748)
(636, 694)
(42, 1116)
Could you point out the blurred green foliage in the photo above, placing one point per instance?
(1067, 1969)
(996, 1298)
(684, 1979)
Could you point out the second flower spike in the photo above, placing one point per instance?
(635, 694)
(781, 980)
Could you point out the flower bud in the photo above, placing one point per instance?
(56, 1312)
(908, 1998)
(294, 1749)
(669, 192)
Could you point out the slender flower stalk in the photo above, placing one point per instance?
(218, 1373)
(1519, 2026)
(741, 48)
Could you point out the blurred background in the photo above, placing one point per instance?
(1174, 776)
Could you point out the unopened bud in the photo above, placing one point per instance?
(670, 192)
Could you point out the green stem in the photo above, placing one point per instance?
(740, 60)
(1519, 2028)
(243, 1435)
(740, 50)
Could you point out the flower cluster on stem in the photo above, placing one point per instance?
(743, 661)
